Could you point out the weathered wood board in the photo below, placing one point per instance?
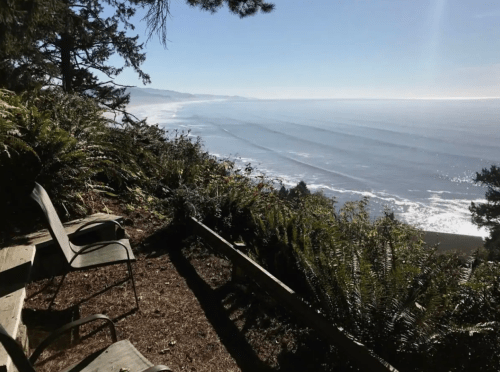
(15, 266)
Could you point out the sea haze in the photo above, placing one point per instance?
(418, 157)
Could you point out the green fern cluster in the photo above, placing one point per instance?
(66, 143)
(66, 136)
(374, 278)
(14, 149)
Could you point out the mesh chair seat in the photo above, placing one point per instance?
(120, 356)
(102, 254)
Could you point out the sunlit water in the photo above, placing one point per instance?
(418, 157)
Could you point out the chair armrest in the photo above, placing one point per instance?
(158, 368)
(96, 222)
(54, 335)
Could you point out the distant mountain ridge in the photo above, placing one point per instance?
(142, 96)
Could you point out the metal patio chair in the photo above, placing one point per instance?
(119, 356)
(88, 256)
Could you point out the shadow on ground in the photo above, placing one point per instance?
(311, 353)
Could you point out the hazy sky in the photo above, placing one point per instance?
(331, 48)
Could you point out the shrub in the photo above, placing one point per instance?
(66, 135)
(64, 142)
(17, 157)
(488, 214)
(374, 278)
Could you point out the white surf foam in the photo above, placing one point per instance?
(443, 215)
(431, 214)
(436, 211)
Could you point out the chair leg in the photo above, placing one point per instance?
(131, 276)
(57, 291)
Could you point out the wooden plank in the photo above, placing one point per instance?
(15, 267)
(355, 351)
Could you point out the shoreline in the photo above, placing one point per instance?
(449, 241)
(453, 242)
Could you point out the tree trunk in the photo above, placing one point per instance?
(66, 68)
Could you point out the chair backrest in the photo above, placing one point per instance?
(15, 351)
(56, 227)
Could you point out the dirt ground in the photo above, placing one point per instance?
(193, 316)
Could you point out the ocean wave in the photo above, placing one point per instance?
(430, 214)
(443, 215)
(279, 154)
(361, 157)
(302, 154)
(410, 148)
(410, 134)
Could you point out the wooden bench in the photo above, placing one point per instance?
(15, 268)
(23, 260)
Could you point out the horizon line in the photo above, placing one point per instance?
(380, 98)
(250, 96)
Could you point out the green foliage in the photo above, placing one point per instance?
(20, 22)
(64, 142)
(373, 278)
(488, 214)
(54, 138)
(165, 159)
(17, 157)
(71, 41)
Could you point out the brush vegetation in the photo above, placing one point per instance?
(374, 278)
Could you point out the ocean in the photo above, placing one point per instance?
(416, 157)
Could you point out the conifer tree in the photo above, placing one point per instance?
(20, 24)
(488, 214)
(70, 46)
(66, 42)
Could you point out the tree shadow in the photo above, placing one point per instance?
(217, 315)
(41, 323)
(311, 354)
(52, 282)
(210, 299)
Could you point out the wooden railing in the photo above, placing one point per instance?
(358, 353)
